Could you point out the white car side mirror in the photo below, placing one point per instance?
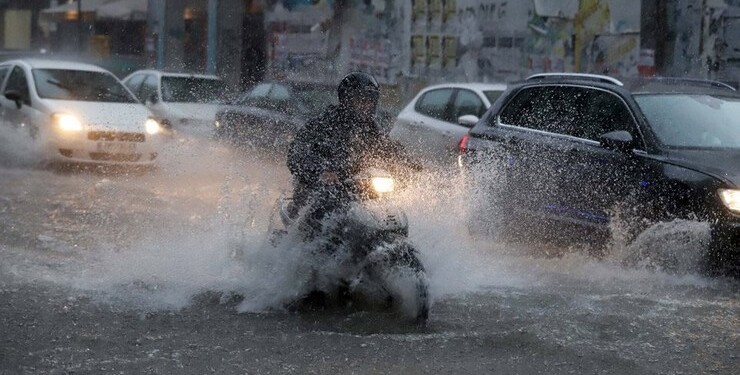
(468, 120)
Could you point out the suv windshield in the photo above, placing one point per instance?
(192, 90)
(80, 85)
(693, 121)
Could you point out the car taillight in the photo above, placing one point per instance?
(462, 147)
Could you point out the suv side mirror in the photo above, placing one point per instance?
(14, 96)
(619, 140)
(468, 120)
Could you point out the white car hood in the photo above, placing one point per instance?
(193, 112)
(128, 117)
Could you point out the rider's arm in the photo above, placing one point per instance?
(394, 152)
(304, 162)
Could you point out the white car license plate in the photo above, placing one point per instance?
(116, 147)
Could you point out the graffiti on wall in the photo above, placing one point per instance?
(372, 55)
(607, 37)
(298, 51)
(471, 40)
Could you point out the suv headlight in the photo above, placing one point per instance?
(152, 126)
(66, 122)
(731, 199)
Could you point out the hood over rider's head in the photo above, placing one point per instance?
(359, 93)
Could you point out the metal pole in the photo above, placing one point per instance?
(161, 35)
(212, 37)
(79, 26)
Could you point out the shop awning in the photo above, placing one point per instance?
(108, 9)
(124, 10)
(87, 6)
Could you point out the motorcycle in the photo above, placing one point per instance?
(361, 247)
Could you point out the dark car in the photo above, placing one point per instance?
(271, 113)
(570, 153)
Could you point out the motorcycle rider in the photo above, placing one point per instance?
(333, 147)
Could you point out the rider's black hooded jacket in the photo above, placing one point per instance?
(339, 141)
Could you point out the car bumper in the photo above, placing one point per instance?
(104, 147)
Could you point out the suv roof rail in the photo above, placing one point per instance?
(698, 81)
(592, 77)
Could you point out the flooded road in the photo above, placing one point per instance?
(135, 273)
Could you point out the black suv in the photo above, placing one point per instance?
(576, 150)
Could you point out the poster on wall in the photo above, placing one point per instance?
(449, 52)
(434, 52)
(498, 15)
(435, 14)
(418, 53)
(299, 52)
(419, 14)
(449, 12)
(616, 55)
(372, 55)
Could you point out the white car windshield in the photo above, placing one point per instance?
(80, 85)
(192, 90)
(693, 121)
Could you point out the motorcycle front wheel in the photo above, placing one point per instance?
(406, 280)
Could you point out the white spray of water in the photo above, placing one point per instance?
(166, 272)
(17, 149)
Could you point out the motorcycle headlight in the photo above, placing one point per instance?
(731, 199)
(152, 126)
(382, 184)
(66, 122)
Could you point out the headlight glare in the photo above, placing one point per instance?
(66, 122)
(152, 126)
(731, 199)
(382, 184)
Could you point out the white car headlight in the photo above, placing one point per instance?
(382, 184)
(66, 122)
(152, 126)
(731, 199)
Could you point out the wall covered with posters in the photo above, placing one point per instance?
(501, 40)
(308, 40)
(371, 42)
(460, 40)
(299, 44)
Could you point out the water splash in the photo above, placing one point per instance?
(214, 206)
(18, 148)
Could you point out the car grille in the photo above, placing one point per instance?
(106, 156)
(115, 136)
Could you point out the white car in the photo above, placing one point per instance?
(433, 123)
(77, 112)
(183, 102)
